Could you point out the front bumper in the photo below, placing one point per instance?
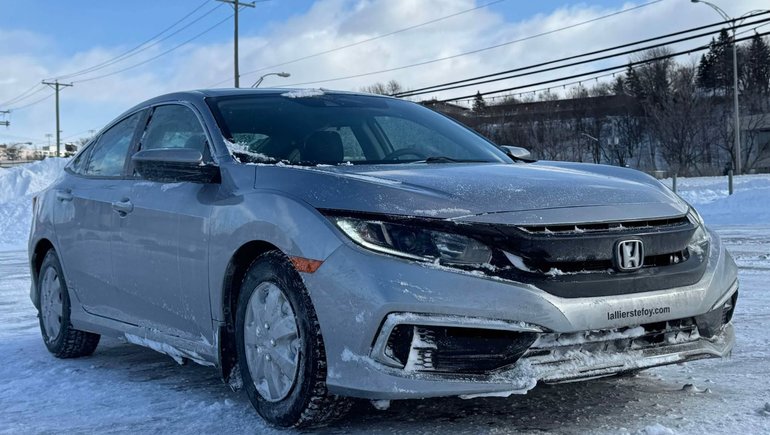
(355, 293)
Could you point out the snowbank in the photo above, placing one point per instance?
(17, 187)
(749, 204)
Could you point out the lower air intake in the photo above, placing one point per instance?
(456, 350)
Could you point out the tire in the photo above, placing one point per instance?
(301, 400)
(61, 339)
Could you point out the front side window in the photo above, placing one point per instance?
(174, 126)
(108, 155)
(339, 128)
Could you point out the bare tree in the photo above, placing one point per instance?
(683, 123)
(629, 130)
(392, 87)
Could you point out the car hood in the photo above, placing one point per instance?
(542, 192)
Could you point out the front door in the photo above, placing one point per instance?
(161, 251)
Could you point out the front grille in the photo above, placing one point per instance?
(560, 267)
(577, 260)
(607, 227)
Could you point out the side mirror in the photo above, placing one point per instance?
(174, 165)
(517, 153)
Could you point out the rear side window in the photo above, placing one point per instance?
(108, 154)
(174, 126)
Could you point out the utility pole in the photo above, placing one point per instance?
(4, 122)
(236, 5)
(55, 85)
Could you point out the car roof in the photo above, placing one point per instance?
(200, 94)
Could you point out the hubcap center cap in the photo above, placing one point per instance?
(271, 339)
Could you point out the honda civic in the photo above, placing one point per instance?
(317, 247)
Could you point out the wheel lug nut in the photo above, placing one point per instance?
(267, 326)
(272, 343)
(267, 357)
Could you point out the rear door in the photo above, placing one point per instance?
(161, 254)
(85, 218)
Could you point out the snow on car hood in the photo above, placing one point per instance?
(543, 192)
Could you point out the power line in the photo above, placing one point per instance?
(374, 38)
(473, 81)
(16, 109)
(24, 95)
(90, 130)
(581, 81)
(136, 50)
(143, 46)
(603, 70)
(441, 59)
(156, 56)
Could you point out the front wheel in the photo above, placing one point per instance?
(280, 348)
(61, 339)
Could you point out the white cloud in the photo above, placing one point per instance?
(329, 24)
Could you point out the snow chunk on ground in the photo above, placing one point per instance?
(381, 405)
(656, 429)
(304, 93)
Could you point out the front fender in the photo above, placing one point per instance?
(293, 226)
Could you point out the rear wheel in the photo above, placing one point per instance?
(61, 339)
(280, 347)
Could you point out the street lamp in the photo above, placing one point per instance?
(737, 144)
(279, 74)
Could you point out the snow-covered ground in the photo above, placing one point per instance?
(124, 388)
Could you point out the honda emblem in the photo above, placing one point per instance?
(629, 255)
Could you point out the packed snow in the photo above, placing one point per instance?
(304, 93)
(125, 388)
(17, 187)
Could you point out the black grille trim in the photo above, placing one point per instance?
(607, 227)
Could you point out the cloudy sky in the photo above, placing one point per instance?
(85, 42)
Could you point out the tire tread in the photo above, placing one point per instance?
(74, 343)
(321, 408)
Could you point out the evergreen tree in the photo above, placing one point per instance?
(705, 73)
(478, 103)
(715, 69)
(633, 84)
(757, 66)
(619, 86)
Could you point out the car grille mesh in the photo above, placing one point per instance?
(606, 227)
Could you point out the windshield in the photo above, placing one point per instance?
(344, 129)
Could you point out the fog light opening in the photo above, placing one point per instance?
(455, 349)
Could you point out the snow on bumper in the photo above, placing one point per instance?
(355, 292)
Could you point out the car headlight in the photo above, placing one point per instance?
(413, 242)
(700, 236)
(695, 217)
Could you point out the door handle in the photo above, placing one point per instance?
(64, 195)
(123, 207)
